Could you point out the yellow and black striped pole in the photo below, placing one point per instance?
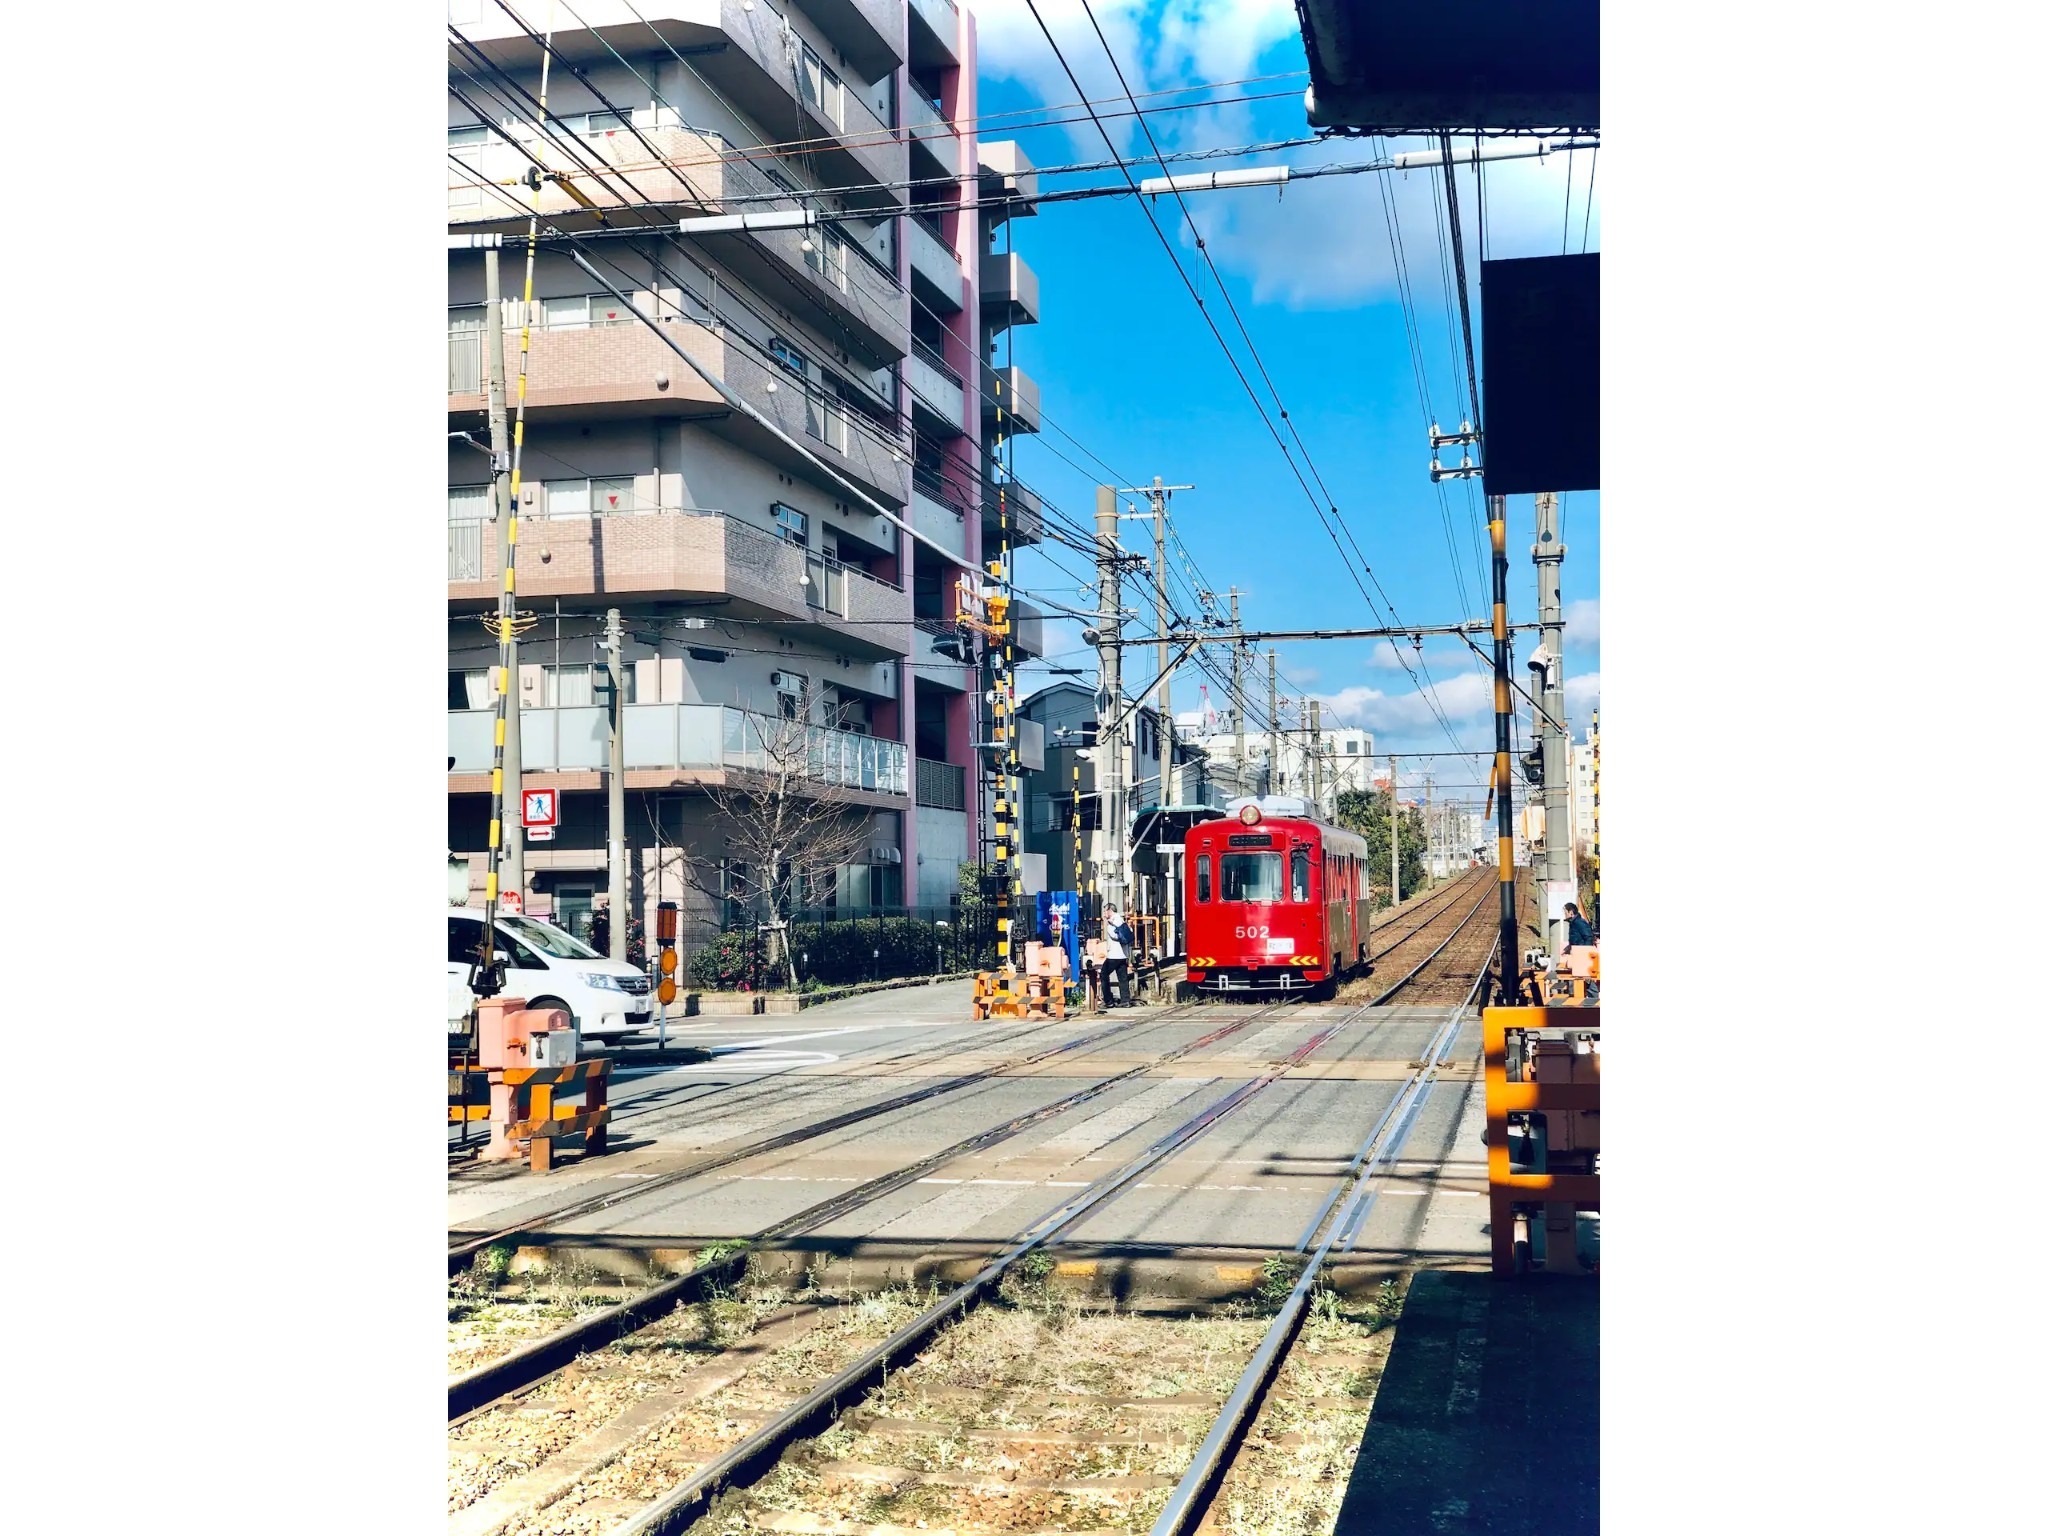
(1507, 991)
(1594, 734)
(489, 976)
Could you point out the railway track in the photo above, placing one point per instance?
(462, 1254)
(497, 1379)
(1423, 910)
(1386, 990)
(1028, 1453)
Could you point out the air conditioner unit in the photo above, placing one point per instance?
(786, 682)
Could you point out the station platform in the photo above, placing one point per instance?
(1487, 1421)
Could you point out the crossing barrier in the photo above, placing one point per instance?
(1543, 1066)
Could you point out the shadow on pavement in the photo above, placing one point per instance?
(1488, 1417)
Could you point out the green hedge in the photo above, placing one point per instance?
(838, 954)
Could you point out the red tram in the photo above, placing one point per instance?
(1276, 901)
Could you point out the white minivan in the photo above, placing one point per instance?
(550, 969)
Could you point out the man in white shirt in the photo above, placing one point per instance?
(1116, 962)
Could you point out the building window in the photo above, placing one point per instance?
(588, 497)
(580, 312)
(602, 125)
(822, 89)
(789, 357)
(1351, 749)
(470, 689)
(469, 503)
(466, 350)
(827, 258)
(792, 526)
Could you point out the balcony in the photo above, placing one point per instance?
(934, 33)
(739, 47)
(626, 371)
(934, 142)
(619, 370)
(935, 275)
(1014, 393)
(1009, 290)
(681, 555)
(1005, 171)
(683, 174)
(936, 391)
(834, 285)
(663, 740)
(1022, 508)
(935, 515)
(941, 786)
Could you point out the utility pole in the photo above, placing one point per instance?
(1315, 756)
(1394, 824)
(1508, 979)
(501, 523)
(1159, 493)
(1237, 691)
(615, 863)
(1428, 828)
(1109, 703)
(1272, 719)
(1552, 740)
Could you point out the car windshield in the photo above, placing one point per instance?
(1252, 877)
(548, 939)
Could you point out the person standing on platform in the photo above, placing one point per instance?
(1116, 963)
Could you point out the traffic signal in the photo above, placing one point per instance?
(1532, 767)
(665, 935)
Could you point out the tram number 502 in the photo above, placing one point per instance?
(1254, 931)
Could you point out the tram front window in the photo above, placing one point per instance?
(1253, 877)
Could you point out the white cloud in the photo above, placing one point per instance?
(1581, 698)
(1321, 244)
(1582, 622)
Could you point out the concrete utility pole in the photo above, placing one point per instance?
(1315, 756)
(1159, 493)
(1394, 825)
(1554, 743)
(1272, 721)
(615, 862)
(1237, 692)
(514, 835)
(1109, 703)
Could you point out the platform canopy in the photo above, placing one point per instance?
(1380, 67)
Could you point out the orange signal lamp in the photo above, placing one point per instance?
(668, 962)
(666, 991)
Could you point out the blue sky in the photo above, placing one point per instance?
(1126, 365)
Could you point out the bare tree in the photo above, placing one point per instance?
(788, 816)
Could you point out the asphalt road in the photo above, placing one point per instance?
(1252, 1181)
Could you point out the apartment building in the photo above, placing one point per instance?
(1281, 765)
(685, 491)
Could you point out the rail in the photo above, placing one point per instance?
(1196, 1491)
(675, 1510)
(1423, 963)
(511, 1373)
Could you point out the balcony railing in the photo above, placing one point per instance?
(941, 786)
(709, 736)
(729, 548)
